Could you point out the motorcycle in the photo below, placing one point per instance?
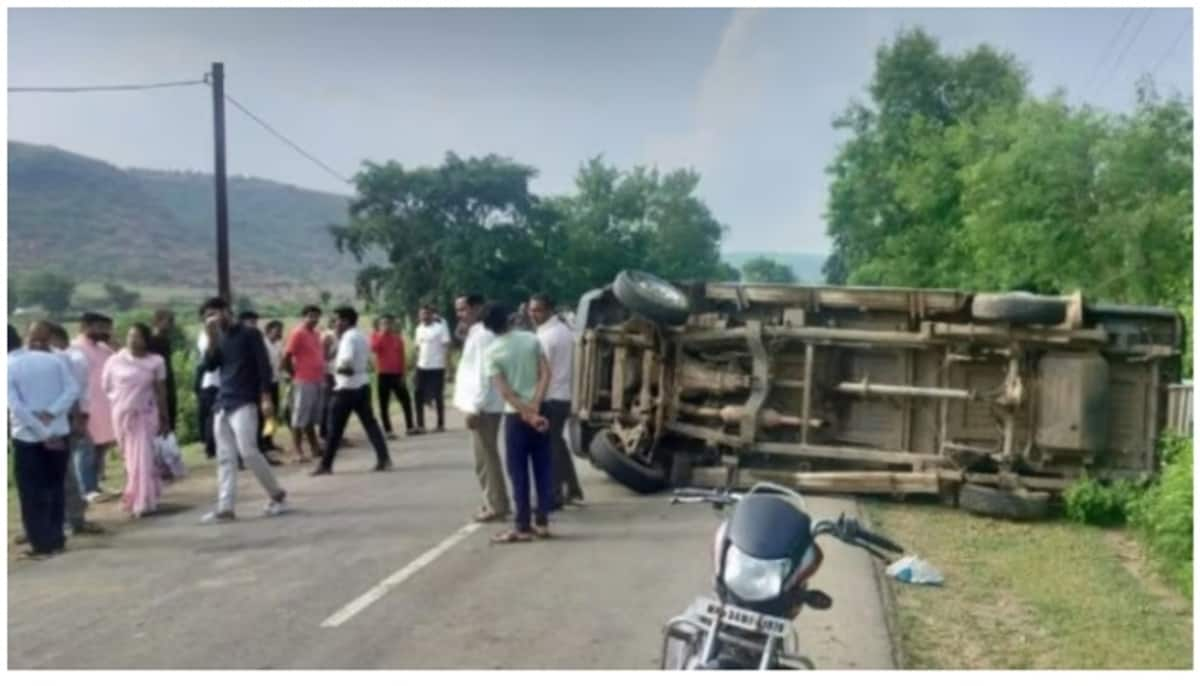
(764, 555)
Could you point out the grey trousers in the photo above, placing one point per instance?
(489, 468)
(237, 434)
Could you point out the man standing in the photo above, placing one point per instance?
(89, 457)
(432, 340)
(558, 346)
(352, 393)
(207, 385)
(304, 357)
(515, 363)
(76, 363)
(388, 347)
(479, 401)
(238, 351)
(274, 338)
(41, 393)
(163, 328)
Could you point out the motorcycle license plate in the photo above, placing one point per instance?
(746, 619)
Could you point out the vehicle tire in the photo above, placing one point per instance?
(994, 502)
(1019, 308)
(681, 470)
(624, 469)
(652, 298)
(579, 438)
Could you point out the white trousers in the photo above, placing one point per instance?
(237, 433)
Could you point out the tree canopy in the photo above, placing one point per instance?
(766, 270)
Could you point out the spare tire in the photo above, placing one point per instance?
(1019, 308)
(652, 298)
(609, 457)
(993, 502)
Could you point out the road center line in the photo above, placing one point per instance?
(379, 590)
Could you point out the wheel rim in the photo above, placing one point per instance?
(662, 290)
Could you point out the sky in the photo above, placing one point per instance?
(745, 97)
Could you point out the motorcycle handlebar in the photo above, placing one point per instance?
(878, 540)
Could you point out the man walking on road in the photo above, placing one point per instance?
(90, 455)
(207, 384)
(517, 367)
(388, 347)
(432, 340)
(41, 393)
(558, 346)
(304, 357)
(76, 506)
(475, 396)
(352, 393)
(238, 351)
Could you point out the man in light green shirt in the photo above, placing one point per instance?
(519, 371)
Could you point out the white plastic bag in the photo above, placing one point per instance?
(166, 449)
(913, 570)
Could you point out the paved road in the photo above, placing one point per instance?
(169, 593)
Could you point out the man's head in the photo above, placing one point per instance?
(426, 314)
(495, 318)
(248, 318)
(14, 338)
(468, 308)
(59, 340)
(274, 330)
(164, 321)
(345, 318)
(541, 308)
(38, 336)
(387, 323)
(216, 308)
(96, 327)
(312, 316)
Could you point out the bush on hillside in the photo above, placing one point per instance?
(1101, 504)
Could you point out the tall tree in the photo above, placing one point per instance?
(766, 270)
(49, 289)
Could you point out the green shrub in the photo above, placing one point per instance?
(1163, 514)
(1091, 502)
(187, 429)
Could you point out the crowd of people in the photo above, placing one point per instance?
(72, 401)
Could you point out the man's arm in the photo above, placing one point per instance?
(16, 404)
(543, 381)
(262, 364)
(344, 359)
(211, 361)
(65, 400)
(510, 395)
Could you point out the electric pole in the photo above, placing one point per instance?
(218, 93)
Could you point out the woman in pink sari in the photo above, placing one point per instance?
(135, 382)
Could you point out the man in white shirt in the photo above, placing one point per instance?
(558, 347)
(41, 393)
(351, 393)
(475, 396)
(433, 340)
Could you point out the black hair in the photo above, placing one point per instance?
(216, 303)
(473, 299)
(247, 314)
(310, 309)
(89, 318)
(57, 331)
(143, 330)
(544, 299)
(274, 324)
(14, 338)
(495, 318)
(347, 313)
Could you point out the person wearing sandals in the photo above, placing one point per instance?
(521, 375)
(476, 397)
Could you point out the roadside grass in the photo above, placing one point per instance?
(1045, 595)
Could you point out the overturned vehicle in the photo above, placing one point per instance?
(994, 401)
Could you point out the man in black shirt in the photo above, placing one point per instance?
(238, 351)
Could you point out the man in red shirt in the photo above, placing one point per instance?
(304, 358)
(388, 347)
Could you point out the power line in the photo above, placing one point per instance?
(1108, 49)
(1136, 33)
(1174, 44)
(287, 141)
(93, 89)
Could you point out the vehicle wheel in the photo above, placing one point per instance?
(579, 437)
(994, 502)
(608, 456)
(679, 650)
(652, 298)
(681, 470)
(1019, 308)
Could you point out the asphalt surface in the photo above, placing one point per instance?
(170, 593)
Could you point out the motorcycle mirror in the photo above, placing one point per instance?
(818, 600)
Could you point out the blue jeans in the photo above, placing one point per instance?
(525, 446)
(41, 474)
(87, 457)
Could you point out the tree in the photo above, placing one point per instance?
(326, 297)
(766, 270)
(120, 297)
(49, 289)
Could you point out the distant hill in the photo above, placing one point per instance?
(97, 221)
(806, 266)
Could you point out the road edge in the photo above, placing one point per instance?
(887, 596)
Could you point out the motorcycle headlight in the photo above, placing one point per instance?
(751, 578)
